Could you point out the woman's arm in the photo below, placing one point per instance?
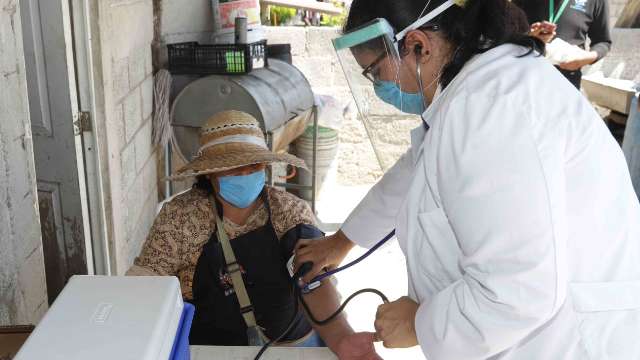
(338, 334)
(599, 31)
(324, 301)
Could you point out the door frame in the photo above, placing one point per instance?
(52, 82)
(83, 21)
(81, 30)
(79, 141)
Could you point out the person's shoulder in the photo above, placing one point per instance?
(190, 214)
(506, 70)
(188, 201)
(288, 210)
(283, 200)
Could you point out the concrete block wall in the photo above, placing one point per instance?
(185, 20)
(181, 21)
(23, 289)
(623, 61)
(127, 36)
(314, 55)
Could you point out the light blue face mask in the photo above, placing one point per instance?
(389, 92)
(242, 191)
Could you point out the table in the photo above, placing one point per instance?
(249, 353)
(284, 353)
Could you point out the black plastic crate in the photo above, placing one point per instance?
(222, 59)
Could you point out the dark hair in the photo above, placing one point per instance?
(478, 27)
(203, 183)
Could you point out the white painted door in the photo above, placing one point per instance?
(53, 103)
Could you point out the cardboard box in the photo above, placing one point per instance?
(11, 340)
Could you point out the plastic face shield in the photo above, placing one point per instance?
(370, 56)
(366, 53)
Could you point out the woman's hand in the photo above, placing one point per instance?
(544, 31)
(581, 60)
(325, 253)
(358, 346)
(395, 323)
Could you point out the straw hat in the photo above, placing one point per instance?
(229, 140)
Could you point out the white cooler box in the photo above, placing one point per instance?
(109, 318)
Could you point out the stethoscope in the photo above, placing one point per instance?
(316, 281)
(300, 288)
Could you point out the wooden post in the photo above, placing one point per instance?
(630, 17)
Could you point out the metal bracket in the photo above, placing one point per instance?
(81, 122)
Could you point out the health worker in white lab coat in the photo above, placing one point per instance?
(514, 206)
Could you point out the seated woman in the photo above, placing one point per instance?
(263, 224)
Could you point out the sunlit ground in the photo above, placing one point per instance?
(384, 270)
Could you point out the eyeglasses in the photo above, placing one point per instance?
(368, 71)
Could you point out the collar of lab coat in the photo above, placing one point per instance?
(425, 114)
(418, 134)
(476, 63)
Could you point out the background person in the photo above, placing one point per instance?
(574, 23)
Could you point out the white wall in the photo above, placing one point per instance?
(23, 290)
(181, 21)
(126, 33)
(185, 20)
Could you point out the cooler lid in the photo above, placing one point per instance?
(106, 318)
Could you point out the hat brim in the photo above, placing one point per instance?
(233, 156)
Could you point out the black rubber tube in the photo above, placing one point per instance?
(298, 297)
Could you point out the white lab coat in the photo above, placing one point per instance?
(518, 220)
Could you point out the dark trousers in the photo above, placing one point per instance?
(574, 77)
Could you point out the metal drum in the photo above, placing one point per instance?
(279, 96)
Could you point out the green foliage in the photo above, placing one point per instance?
(335, 20)
(282, 14)
(329, 20)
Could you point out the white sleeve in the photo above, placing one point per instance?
(502, 185)
(375, 216)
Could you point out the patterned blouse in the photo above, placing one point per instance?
(185, 224)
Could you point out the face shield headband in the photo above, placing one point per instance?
(369, 55)
(382, 28)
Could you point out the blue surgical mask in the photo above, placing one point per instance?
(389, 92)
(242, 191)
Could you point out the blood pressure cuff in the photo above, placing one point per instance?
(290, 239)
